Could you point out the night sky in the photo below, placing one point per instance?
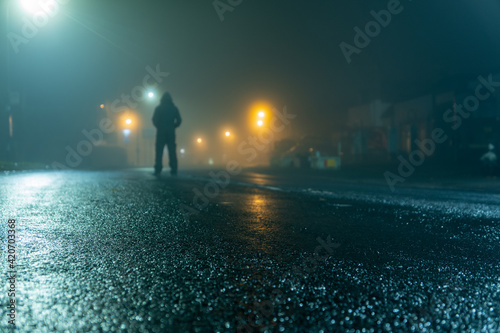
(285, 52)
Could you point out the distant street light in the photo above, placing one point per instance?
(199, 140)
(228, 133)
(151, 94)
(128, 121)
(259, 115)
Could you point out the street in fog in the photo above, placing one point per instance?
(249, 166)
(125, 251)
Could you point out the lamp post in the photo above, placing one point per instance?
(227, 138)
(145, 134)
(8, 148)
(129, 123)
(201, 149)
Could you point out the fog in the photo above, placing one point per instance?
(345, 70)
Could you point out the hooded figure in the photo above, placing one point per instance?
(166, 119)
(489, 160)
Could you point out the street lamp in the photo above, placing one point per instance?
(199, 140)
(150, 96)
(259, 115)
(130, 123)
(30, 6)
(228, 140)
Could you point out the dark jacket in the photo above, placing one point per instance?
(166, 118)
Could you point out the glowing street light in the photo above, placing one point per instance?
(228, 133)
(129, 119)
(199, 140)
(30, 6)
(151, 94)
(102, 106)
(259, 115)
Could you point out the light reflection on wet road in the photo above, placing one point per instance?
(111, 251)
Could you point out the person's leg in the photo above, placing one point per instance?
(172, 156)
(160, 144)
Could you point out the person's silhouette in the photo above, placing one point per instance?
(166, 119)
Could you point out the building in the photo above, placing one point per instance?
(379, 131)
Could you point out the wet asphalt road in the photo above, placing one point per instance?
(124, 251)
